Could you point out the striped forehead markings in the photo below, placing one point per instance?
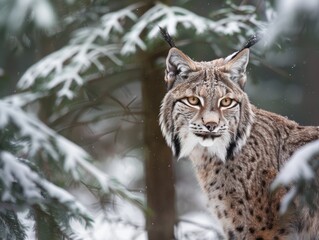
(210, 82)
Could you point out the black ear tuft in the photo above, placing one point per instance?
(251, 41)
(167, 37)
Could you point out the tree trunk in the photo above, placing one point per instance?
(158, 158)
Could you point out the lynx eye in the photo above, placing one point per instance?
(227, 102)
(193, 100)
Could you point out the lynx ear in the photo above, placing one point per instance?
(177, 63)
(236, 65)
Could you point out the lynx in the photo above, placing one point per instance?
(236, 148)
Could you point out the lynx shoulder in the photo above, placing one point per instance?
(236, 148)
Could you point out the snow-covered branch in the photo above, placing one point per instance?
(170, 17)
(286, 20)
(15, 171)
(24, 98)
(14, 13)
(63, 72)
(65, 68)
(297, 171)
(42, 138)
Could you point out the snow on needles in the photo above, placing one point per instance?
(38, 11)
(170, 17)
(298, 165)
(297, 168)
(74, 158)
(288, 13)
(66, 67)
(56, 146)
(14, 170)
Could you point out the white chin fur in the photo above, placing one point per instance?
(216, 147)
(206, 142)
(188, 143)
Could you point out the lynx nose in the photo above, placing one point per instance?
(211, 126)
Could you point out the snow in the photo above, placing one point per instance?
(43, 14)
(170, 17)
(29, 223)
(110, 228)
(286, 200)
(66, 67)
(112, 21)
(77, 157)
(22, 99)
(198, 226)
(63, 72)
(298, 165)
(64, 197)
(32, 184)
(40, 11)
(287, 15)
(129, 224)
(50, 64)
(125, 169)
(297, 168)
(13, 170)
(19, 13)
(29, 127)
(74, 158)
(40, 135)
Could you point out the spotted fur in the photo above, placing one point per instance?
(236, 151)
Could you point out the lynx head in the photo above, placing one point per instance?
(206, 106)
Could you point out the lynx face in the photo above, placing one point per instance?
(206, 106)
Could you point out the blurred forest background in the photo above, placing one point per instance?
(81, 153)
